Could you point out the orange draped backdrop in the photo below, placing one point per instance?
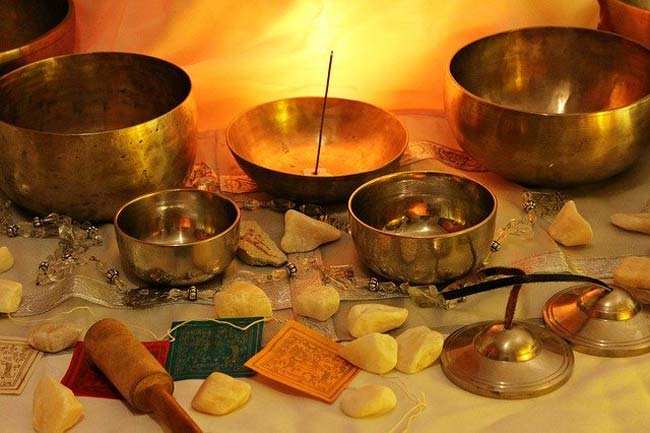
(240, 53)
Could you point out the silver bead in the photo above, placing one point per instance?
(43, 266)
(373, 284)
(12, 230)
(192, 293)
(529, 205)
(91, 232)
(292, 269)
(112, 274)
(495, 246)
(67, 256)
(37, 222)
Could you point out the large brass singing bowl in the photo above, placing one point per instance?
(84, 133)
(551, 106)
(276, 145)
(177, 237)
(398, 225)
(32, 30)
(630, 18)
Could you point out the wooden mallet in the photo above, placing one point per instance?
(139, 377)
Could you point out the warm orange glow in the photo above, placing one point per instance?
(391, 53)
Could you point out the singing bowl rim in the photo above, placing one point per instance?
(42, 41)
(320, 178)
(66, 57)
(233, 226)
(423, 173)
(514, 109)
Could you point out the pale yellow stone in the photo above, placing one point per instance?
(6, 259)
(257, 248)
(637, 222)
(633, 272)
(54, 337)
(375, 353)
(55, 408)
(319, 303)
(366, 318)
(418, 348)
(220, 394)
(302, 233)
(569, 227)
(368, 400)
(11, 293)
(242, 299)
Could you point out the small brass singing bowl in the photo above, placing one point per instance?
(276, 144)
(551, 106)
(32, 30)
(422, 227)
(82, 134)
(630, 18)
(177, 236)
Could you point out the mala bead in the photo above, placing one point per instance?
(373, 284)
(495, 246)
(292, 269)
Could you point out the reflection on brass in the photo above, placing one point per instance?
(630, 18)
(177, 237)
(276, 144)
(32, 30)
(395, 225)
(82, 134)
(524, 361)
(551, 106)
(598, 322)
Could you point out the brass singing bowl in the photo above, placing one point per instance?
(82, 134)
(276, 144)
(396, 225)
(32, 30)
(630, 18)
(551, 106)
(178, 236)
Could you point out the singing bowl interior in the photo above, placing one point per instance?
(180, 236)
(398, 225)
(82, 134)
(33, 30)
(550, 105)
(276, 144)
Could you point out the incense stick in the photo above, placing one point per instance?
(322, 115)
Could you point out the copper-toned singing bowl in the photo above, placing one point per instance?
(32, 30)
(84, 133)
(178, 236)
(551, 106)
(397, 223)
(630, 18)
(276, 144)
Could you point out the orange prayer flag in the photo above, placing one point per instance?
(306, 360)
